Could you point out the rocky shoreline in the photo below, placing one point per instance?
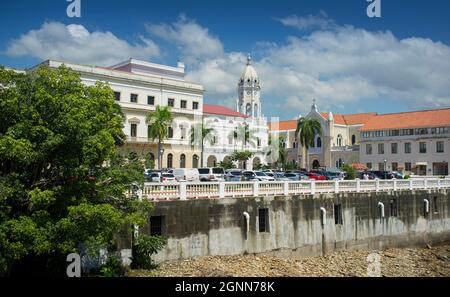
(409, 262)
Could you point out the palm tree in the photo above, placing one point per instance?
(244, 133)
(159, 122)
(199, 133)
(277, 150)
(307, 129)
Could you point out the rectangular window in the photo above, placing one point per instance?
(195, 105)
(368, 149)
(134, 98)
(171, 102)
(439, 147)
(117, 96)
(133, 131)
(381, 148)
(369, 165)
(148, 131)
(407, 166)
(381, 166)
(393, 210)
(183, 132)
(423, 147)
(394, 148)
(156, 225)
(258, 141)
(408, 148)
(263, 217)
(183, 104)
(170, 132)
(338, 214)
(151, 100)
(394, 166)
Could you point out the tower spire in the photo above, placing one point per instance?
(249, 59)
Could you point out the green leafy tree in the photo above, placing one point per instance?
(62, 182)
(199, 133)
(159, 122)
(307, 130)
(241, 157)
(351, 172)
(227, 164)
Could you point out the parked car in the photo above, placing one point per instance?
(332, 175)
(316, 176)
(257, 175)
(152, 176)
(233, 175)
(212, 174)
(383, 174)
(296, 176)
(398, 175)
(186, 174)
(370, 175)
(168, 178)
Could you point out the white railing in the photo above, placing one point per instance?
(185, 191)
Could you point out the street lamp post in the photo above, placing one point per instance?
(161, 158)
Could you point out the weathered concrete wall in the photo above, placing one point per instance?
(217, 227)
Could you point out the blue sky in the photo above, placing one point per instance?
(328, 50)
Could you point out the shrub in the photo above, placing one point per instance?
(350, 172)
(144, 247)
(112, 268)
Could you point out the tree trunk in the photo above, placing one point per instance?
(159, 154)
(203, 147)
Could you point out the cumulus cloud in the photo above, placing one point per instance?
(301, 23)
(74, 43)
(338, 65)
(341, 66)
(193, 40)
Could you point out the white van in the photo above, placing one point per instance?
(212, 174)
(186, 174)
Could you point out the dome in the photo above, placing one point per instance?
(249, 72)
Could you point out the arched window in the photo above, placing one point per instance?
(319, 142)
(339, 140)
(169, 161)
(195, 161)
(353, 139)
(183, 161)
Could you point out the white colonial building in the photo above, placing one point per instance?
(228, 123)
(140, 86)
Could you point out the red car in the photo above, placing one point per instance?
(316, 176)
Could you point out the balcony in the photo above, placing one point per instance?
(346, 148)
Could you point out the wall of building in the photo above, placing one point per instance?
(218, 227)
(415, 157)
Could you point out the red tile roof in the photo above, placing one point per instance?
(221, 110)
(351, 119)
(283, 125)
(409, 120)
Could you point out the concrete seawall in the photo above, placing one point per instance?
(294, 226)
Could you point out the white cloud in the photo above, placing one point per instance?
(75, 43)
(339, 66)
(343, 66)
(193, 40)
(301, 23)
